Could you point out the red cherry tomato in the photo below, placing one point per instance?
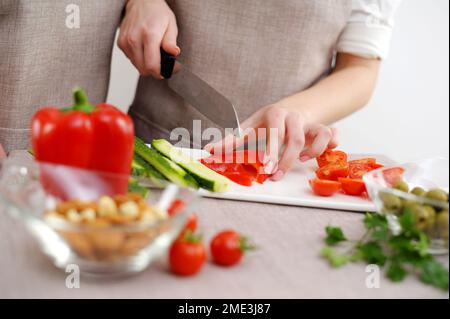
(333, 171)
(228, 247)
(324, 188)
(353, 187)
(187, 255)
(330, 157)
(393, 175)
(191, 223)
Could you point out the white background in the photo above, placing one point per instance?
(408, 117)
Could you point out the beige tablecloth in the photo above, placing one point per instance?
(286, 266)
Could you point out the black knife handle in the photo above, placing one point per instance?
(167, 64)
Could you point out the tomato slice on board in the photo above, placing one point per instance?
(393, 175)
(377, 166)
(331, 156)
(368, 160)
(353, 187)
(333, 171)
(357, 171)
(324, 188)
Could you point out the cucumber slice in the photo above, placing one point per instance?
(149, 170)
(205, 177)
(163, 165)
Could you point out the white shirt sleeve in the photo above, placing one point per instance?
(369, 29)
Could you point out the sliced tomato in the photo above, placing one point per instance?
(377, 166)
(331, 156)
(353, 187)
(393, 175)
(368, 161)
(324, 188)
(358, 170)
(333, 171)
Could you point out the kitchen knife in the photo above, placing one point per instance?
(199, 94)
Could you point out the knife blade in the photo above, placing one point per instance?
(202, 96)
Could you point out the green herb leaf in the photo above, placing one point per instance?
(373, 253)
(335, 235)
(435, 274)
(408, 223)
(335, 259)
(396, 272)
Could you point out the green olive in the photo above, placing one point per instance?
(419, 191)
(442, 223)
(437, 194)
(402, 186)
(421, 216)
(406, 203)
(390, 201)
(431, 217)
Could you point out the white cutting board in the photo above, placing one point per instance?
(294, 189)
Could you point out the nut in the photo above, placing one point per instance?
(73, 216)
(88, 215)
(129, 209)
(106, 206)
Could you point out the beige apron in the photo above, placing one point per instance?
(42, 60)
(255, 52)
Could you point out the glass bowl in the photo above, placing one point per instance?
(29, 190)
(427, 174)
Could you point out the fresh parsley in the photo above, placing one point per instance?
(400, 254)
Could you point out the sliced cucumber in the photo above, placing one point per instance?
(205, 177)
(149, 170)
(163, 165)
(137, 169)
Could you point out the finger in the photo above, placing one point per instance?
(321, 136)
(295, 142)
(122, 43)
(152, 54)
(276, 132)
(169, 42)
(230, 143)
(334, 142)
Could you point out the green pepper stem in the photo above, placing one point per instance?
(81, 101)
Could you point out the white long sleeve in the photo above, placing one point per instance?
(369, 30)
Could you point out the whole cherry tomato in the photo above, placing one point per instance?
(187, 255)
(228, 247)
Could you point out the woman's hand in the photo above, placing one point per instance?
(302, 140)
(147, 26)
(2, 152)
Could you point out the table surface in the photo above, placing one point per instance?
(287, 265)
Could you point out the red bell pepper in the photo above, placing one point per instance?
(242, 167)
(97, 138)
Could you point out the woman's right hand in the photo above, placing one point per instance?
(147, 26)
(2, 152)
